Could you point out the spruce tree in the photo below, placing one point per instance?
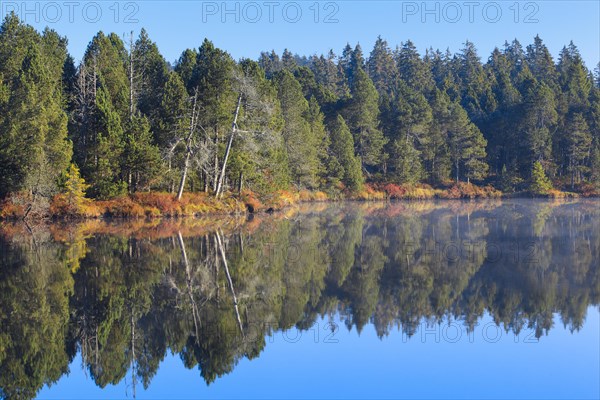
(406, 162)
(34, 150)
(538, 121)
(541, 63)
(300, 140)
(342, 150)
(362, 114)
(476, 96)
(436, 159)
(578, 145)
(413, 70)
(466, 146)
(74, 188)
(141, 158)
(408, 131)
(149, 74)
(105, 178)
(382, 68)
(540, 184)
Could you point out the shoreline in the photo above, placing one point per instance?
(157, 205)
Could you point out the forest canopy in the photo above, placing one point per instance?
(128, 121)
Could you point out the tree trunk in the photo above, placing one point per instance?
(188, 153)
(457, 173)
(219, 190)
(216, 163)
(131, 88)
(186, 166)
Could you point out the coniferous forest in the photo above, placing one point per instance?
(124, 121)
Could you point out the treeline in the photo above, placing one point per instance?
(132, 122)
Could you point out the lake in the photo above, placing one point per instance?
(486, 299)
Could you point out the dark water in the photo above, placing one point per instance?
(448, 300)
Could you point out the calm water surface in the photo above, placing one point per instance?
(428, 299)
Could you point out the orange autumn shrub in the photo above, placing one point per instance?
(311, 196)
(464, 190)
(165, 203)
(320, 196)
(122, 207)
(11, 208)
(588, 190)
(369, 192)
(394, 191)
(557, 194)
(252, 203)
(63, 207)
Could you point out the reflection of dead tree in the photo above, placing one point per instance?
(195, 313)
(88, 341)
(216, 268)
(133, 358)
(235, 302)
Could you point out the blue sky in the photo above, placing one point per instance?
(246, 28)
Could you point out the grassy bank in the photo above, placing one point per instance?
(159, 205)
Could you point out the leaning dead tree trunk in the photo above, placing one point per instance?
(235, 301)
(219, 191)
(195, 312)
(188, 144)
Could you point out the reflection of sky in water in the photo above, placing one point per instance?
(559, 365)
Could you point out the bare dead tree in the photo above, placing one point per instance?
(188, 144)
(235, 301)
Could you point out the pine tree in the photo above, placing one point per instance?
(540, 184)
(149, 75)
(382, 69)
(316, 121)
(34, 150)
(516, 57)
(578, 145)
(342, 151)
(362, 114)
(574, 79)
(407, 162)
(329, 75)
(270, 63)
(541, 63)
(500, 127)
(141, 158)
(436, 159)
(476, 96)
(185, 67)
(466, 146)
(538, 121)
(102, 106)
(288, 61)
(300, 140)
(173, 125)
(105, 178)
(408, 130)
(413, 70)
(351, 62)
(595, 167)
(74, 188)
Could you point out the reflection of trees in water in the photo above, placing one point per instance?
(125, 300)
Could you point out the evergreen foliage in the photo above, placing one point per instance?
(131, 122)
